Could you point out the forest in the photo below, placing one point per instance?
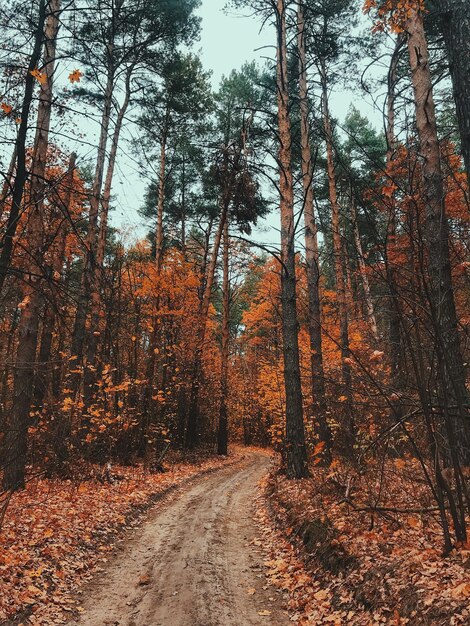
(249, 403)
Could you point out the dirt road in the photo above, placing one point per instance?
(193, 562)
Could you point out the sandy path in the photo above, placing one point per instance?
(196, 559)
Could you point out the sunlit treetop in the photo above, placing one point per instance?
(392, 14)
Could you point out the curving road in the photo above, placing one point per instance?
(193, 562)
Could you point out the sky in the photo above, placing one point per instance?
(228, 39)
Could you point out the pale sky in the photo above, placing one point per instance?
(227, 41)
(230, 38)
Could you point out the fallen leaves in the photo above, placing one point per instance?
(144, 580)
(55, 533)
(462, 591)
(394, 569)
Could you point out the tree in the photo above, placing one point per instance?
(20, 178)
(16, 437)
(312, 260)
(222, 430)
(362, 157)
(296, 453)
(455, 26)
(116, 40)
(238, 197)
(326, 23)
(172, 112)
(449, 393)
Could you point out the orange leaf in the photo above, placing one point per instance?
(6, 108)
(39, 76)
(75, 76)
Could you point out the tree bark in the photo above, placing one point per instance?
(17, 430)
(97, 269)
(455, 27)
(91, 248)
(161, 195)
(20, 147)
(192, 430)
(363, 269)
(222, 434)
(436, 240)
(43, 382)
(296, 452)
(339, 262)
(394, 325)
(312, 262)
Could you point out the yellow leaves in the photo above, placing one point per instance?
(321, 595)
(264, 613)
(392, 14)
(317, 451)
(75, 76)
(334, 464)
(67, 404)
(41, 77)
(160, 397)
(251, 591)
(319, 448)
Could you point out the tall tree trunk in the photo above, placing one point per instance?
(455, 26)
(16, 436)
(183, 207)
(312, 262)
(394, 325)
(436, 240)
(43, 382)
(20, 148)
(192, 430)
(147, 408)
(363, 268)
(296, 452)
(222, 434)
(91, 248)
(97, 282)
(161, 195)
(339, 261)
(9, 178)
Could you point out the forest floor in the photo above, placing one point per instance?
(193, 563)
(218, 542)
(176, 549)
